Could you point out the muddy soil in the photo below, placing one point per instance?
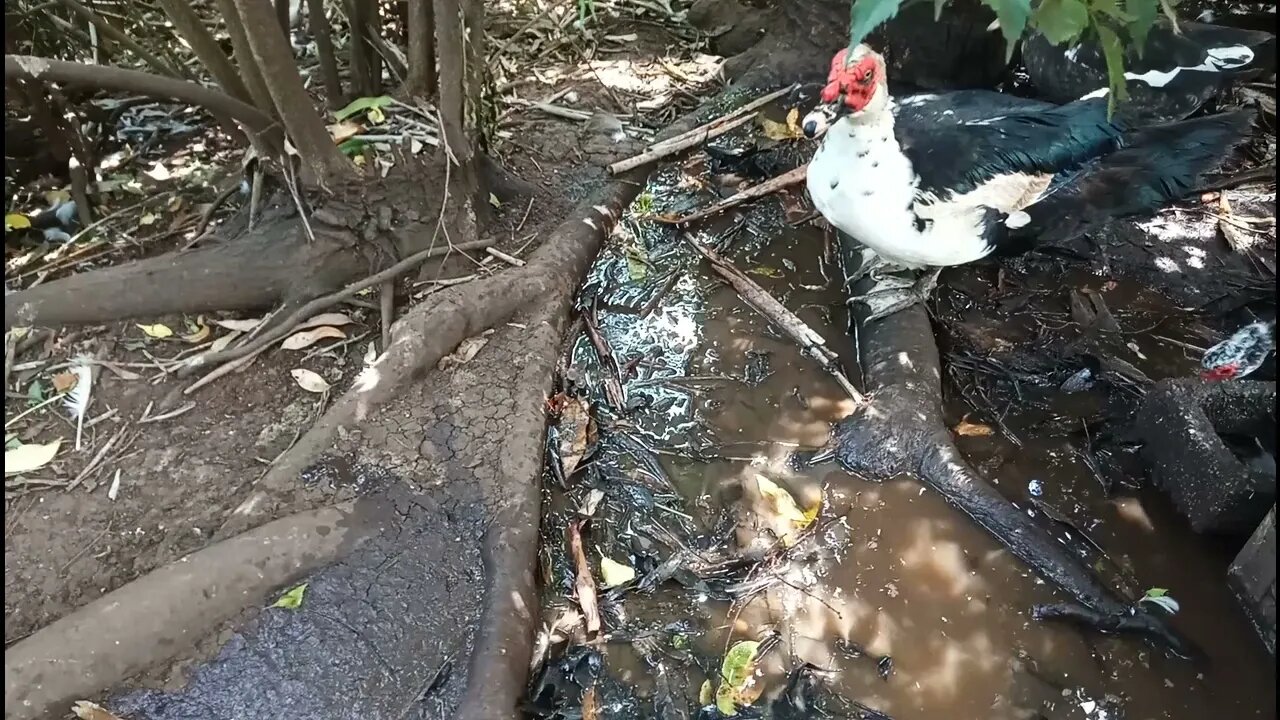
(717, 398)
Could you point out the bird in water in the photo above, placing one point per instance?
(1240, 354)
(948, 179)
(1176, 71)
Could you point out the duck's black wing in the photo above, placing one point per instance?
(952, 159)
(960, 106)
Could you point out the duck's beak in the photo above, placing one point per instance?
(821, 118)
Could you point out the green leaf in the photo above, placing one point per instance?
(352, 147)
(1111, 9)
(735, 673)
(35, 393)
(867, 15)
(363, 104)
(1012, 16)
(1144, 16)
(291, 600)
(1114, 54)
(1156, 592)
(16, 221)
(637, 264)
(766, 271)
(1062, 21)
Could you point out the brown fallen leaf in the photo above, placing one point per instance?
(309, 381)
(576, 432)
(343, 131)
(969, 429)
(324, 319)
(467, 349)
(307, 338)
(200, 334)
(64, 381)
(1239, 240)
(585, 584)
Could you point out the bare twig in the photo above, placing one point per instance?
(508, 259)
(771, 185)
(698, 135)
(764, 303)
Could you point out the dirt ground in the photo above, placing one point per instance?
(67, 542)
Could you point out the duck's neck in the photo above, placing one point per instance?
(880, 122)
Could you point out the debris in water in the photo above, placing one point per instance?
(1036, 488)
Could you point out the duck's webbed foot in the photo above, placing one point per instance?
(892, 294)
(874, 267)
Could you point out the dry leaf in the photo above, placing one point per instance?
(307, 338)
(156, 331)
(584, 584)
(968, 429)
(26, 458)
(343, 131)
(202, 332)
(783, 505)
(86, 710)
(239, 325)
(309, 381)
(325, 319)
(221, 343)
(778, 130)
(467, 350)
(148, 219)
(575, 433)
(64, 381)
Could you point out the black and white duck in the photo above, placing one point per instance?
(932, 181)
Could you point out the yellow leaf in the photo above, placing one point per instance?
(780, 501)
(156, 331)
(375, 115)
(147, 219)
(26, 458)
(54, 197)
(775, 130)
(705, 693)
(737, 673)
(793, 122)
(967, 429)
(16, 221)
(291, 600)
(200, 334)
(615, 573)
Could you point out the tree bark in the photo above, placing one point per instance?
(451, 49)
(323, 34)
(210, 54)
(250, 73)
(366, 73)
(422, 49)
(304, 125)
(102, 76)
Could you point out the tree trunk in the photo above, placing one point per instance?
(322, 32)
(249, 70)
(282, 16)
(464, 185)
(206, 48)
(422, 49)
(366, 74)
(306, 128)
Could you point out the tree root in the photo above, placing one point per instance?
(901, 431)
(163, 613)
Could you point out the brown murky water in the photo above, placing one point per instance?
(918, 582)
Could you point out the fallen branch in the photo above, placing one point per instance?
(772, 185)
(322, 303)
(806, 337)
(696, 136)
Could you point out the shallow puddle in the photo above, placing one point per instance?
(903, 603)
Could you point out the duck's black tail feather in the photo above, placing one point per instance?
(1156, 165)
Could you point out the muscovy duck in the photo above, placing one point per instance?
(1174, 76)
(949, 179)
(1240, 354)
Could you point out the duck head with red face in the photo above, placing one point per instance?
(856, 87)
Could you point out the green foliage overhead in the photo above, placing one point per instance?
(1117, 24)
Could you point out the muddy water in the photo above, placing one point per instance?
(721, 398)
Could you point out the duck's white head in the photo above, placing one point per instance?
(856, 86)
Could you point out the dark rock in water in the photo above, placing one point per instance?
(1253, 579)
(1187, 427)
